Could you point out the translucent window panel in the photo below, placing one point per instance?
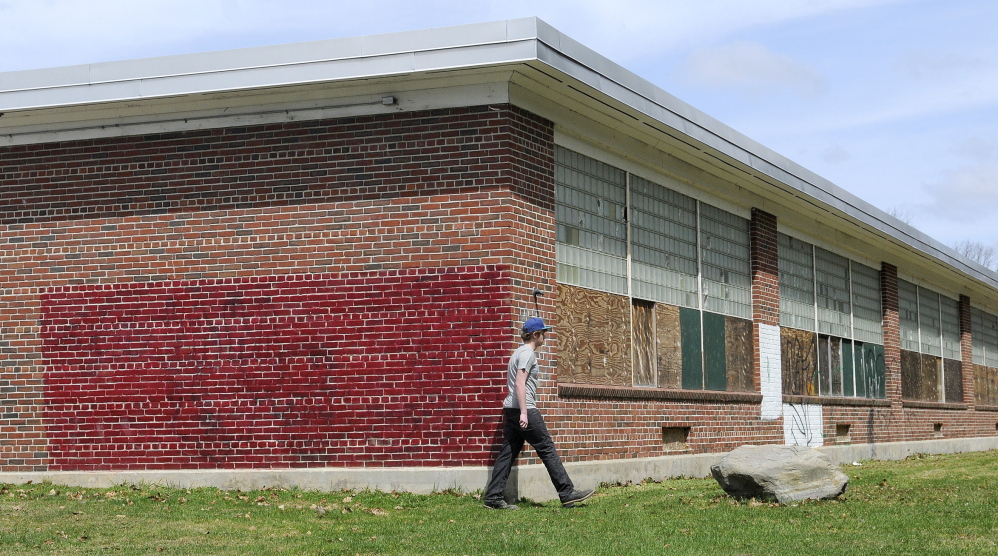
(949, 310)
(990, 340)
(725, 269)
(867, 315)
(591, 225)
(663, 244)
(796, 283)
(831, 274)
(929, 325)
(977, 335)
(908, 315)
(589, 269)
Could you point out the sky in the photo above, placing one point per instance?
(895, 101)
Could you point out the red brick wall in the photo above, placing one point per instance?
(459, 188)
(370, 368)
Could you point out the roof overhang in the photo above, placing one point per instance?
(429, 69)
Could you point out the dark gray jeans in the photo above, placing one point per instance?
(537, 435)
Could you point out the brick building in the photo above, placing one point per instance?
(316, 256)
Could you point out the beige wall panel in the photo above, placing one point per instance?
(594, 337)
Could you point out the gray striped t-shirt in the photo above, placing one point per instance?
(522, 358)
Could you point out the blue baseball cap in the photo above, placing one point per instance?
(534, 324)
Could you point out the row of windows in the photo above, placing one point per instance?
(829, 294)
(623, 234)
(682, 252)
(930, 323)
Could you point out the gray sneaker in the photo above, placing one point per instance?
(577, 497)
(500, 505)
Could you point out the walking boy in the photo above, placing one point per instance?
(523, 422)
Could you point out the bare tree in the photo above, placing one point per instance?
(901, 214)
(978, 252)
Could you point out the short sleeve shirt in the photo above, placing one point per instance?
(522, 358)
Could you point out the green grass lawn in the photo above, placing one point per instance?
(923, 505)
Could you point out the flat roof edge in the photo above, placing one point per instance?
(480, 44)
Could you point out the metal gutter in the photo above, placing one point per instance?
(430, 50)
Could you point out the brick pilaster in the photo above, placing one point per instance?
(765, 280)
(892, 331)
(966, 351)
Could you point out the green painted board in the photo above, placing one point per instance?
(847, 366)
(715, 367)
(878, 372)
(689, 329)
(860, 370)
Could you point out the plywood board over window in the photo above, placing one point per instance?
(911, 375)
(954, 380)
(643, 323)
(669, 350)
(594, 334)
(985, 385)
(739, 349)
(799, 350)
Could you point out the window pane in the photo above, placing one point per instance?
(990, 340)
(591, 233)
(908, 313)
(977, 335)
(929, 325)
(664, 244)
(950, 310)
(866, 310)
(725, 268)
(796, 283)
(833, 298)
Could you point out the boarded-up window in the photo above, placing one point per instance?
(590, 212)
(931, 368)
(594, 336)
(682, 266)
(836, 302)
(643, 327)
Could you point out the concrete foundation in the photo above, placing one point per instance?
(528, 481)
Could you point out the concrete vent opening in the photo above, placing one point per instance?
(674, 438)
(937, 429)
(842, 433)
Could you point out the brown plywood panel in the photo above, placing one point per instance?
(594, 337)
(738, 352)
(930, 378)
(670, 346)
(911, 375)
(799, 354)
(643, 328)
(980, 385)
(954, 380)
(985, 385)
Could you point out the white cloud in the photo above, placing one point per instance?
(969, 194)
(750, 67)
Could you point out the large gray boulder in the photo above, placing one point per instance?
(781, 473)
